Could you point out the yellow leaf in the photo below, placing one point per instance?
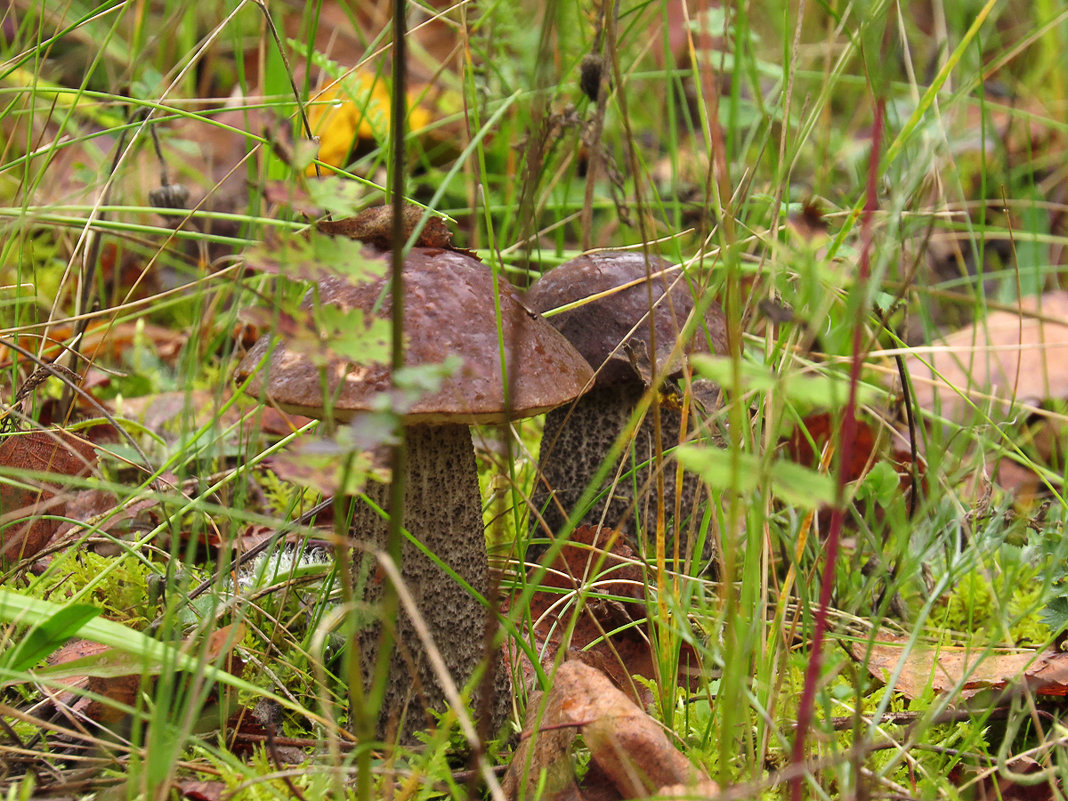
(356, 109)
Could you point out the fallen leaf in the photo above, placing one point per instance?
(169, 413)
(104, 340)
(541, 766)
(89, 668)
(352, 110)
(822, 428)
(964, 671)
(1008, 788)
(1004, 359)
(201, 790)
(374, 226)
(610, 631)
(819, 429)
(115, 689)
(24, 531)
(629, 749)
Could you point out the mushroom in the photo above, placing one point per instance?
(612, 332)
(448, 311)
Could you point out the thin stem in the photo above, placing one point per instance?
(398, 454)
(848, 435)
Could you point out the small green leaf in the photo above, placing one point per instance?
(339, 197)
(424, 379)
(808, 389)
(799, 486)
(882, 484)
(49, 636)
(790, 482)
(353, 335)
(719, 469)
(1055, 614)
(317, 258)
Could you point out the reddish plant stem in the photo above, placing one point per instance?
(845, 459)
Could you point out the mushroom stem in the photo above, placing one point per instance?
(443, 511)
(576, 441)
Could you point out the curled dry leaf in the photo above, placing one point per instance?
(630, 750)
(374, 226)
(963, 671)
(541, 766)
(23, 529)
(610, 633)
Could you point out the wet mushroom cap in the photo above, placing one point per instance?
(449, 310)
(596, 328)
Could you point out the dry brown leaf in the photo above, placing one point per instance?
(105, 340)
(963, 671)
(1005, 358)
(821, 428)
(163, 413)
(23, 530)
(374, 226)
(628, 745)
(201, 790)
(116, 676)
(541, 766)
(631, 755)
(118, 690)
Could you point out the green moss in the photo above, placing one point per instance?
(116, 584)
(985, 608)
(282, 496)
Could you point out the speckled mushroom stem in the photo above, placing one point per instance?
(577, 439)
(443, 511)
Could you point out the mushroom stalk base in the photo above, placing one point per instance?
(443, 511)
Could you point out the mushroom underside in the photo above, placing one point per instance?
(443, 511)
(576, 440)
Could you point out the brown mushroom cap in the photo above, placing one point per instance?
(597, 328)
(449, 310)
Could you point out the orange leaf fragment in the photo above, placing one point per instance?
(115, 691)
(822, 429)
